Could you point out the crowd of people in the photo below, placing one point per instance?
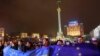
(25, 46)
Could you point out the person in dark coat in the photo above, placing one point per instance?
(1, 49)
(28, 46)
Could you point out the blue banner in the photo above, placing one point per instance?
(78, 50)
(44, 51)
(8, 51)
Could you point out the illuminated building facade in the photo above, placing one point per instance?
(24, 35)
(96, 32)
(35, 35)
(2, 32)
(45, 36)
(75, 28)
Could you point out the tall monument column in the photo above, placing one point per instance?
(59, 33)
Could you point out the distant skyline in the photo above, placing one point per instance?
(40, 16)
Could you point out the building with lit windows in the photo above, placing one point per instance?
(96, 32)
(35, 35)
(45, 36)
(24, 35)
(2, 32)
(74, 28)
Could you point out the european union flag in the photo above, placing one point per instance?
(87, 49)
(56, 50)
(64, 51)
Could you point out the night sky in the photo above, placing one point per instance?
(41, 15)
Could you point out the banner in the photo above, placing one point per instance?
(8, 51)
(43, 51)
(78, 50)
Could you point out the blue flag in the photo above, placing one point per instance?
(43, 51)
(78, 50)
(8, 51)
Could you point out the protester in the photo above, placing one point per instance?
(28, 48)
(21, 45)
(1, 48)
(60, 42)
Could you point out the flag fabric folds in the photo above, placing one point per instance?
(8, 51)
(55, 50)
